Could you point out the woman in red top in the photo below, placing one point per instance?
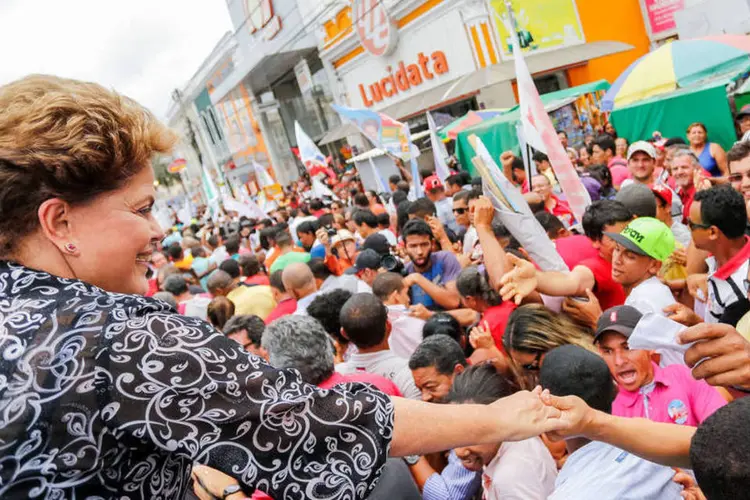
(477, 294)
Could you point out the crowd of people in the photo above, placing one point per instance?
(368, 345)
(434, 298)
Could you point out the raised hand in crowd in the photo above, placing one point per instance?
(520, 281)
(420, 311)
(682, 314)
(583, 310)
(480, 337)
(719, 355)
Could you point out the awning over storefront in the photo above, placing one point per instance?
(338, 133)
(470, 84)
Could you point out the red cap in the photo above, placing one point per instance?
(663, 192)
(432, 182)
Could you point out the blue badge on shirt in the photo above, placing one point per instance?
(621, 457)
(677, 411)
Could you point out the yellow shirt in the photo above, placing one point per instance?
(256, 300)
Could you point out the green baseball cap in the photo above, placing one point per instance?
(647, 236)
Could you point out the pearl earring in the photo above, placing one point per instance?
(70, 248)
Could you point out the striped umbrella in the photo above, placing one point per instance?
(450, 131)
(679, 64)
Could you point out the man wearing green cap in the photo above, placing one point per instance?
(639, 252)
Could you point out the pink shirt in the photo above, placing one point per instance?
(619, 170)
(677, 398)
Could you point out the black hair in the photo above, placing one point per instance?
(325, 220)
(720, 452)
(175, 284)
(252, 324)
(603, 213)
(364, 319)
(425, 172)
(476, 183)
(536, 206)
(387, 283)
(571, 370)
(365, 217)
(307, 227)
(319, 268)
(198, 252)
(283, 239)
(443, 323)
(398, 197)
(551, 224)
(374, 195)
(384, 219)
(394, 179)
(232, 245)
(360, 200)
(267, 235)
(723, 207)
(422, 208)
(326, 308)
(249, 264)
(539, 156)
(439, 351)
(402, 214)
(465, 177)
(499, 230)
(601, 173)
(606, 142)
(472, 283)
(467, 196)
(563, 133)
(454, 179)
(416, 227)
(175, 251)
(213, 241)
(517, 164)
(276, 281)
(739, 152)
(481, 384)
(316, 204)
(672, 141)
(403, 186)
(231, 267)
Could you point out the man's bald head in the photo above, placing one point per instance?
(298, 280)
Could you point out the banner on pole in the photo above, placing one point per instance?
(540, 134)
(311, 157)
(385, 133)
(438, 150)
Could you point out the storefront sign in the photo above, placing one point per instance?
(403, 77)
(660, 14)
(304, 77)
(377, 33)
(260, 15)
(543, 24)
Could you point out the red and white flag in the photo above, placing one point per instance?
(540, 134)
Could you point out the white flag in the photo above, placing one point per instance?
(248, 208)
(261, 175)
(321, 189)
(438, 151)
(313, 160)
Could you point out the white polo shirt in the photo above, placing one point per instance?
(386, 364)
(726, 284)
(651, 296)
(599, 471)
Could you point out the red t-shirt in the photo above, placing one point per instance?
(381, 383)
(497, 319)
(686, 197)
(562, 211)
(575, 249)
(607, 290)
(283, 308)
(258, 279)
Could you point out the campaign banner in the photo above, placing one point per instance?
(311, 157)
(539, 132)
(438, 151)
(385, 133)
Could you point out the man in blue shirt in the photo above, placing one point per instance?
(432, 275)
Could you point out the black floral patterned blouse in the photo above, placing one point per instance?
(106, 395)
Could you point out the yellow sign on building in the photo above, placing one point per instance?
(542, 24)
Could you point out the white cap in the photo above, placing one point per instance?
(643, 146)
